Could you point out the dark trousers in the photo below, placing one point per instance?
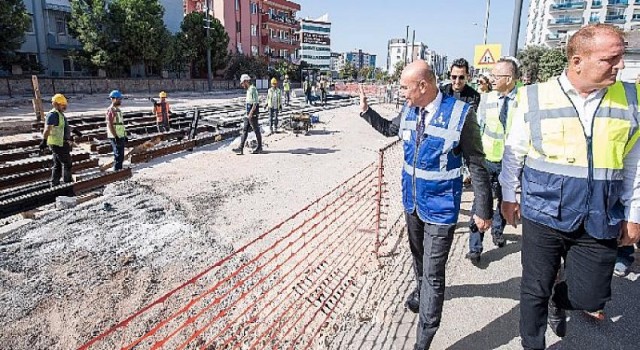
(287, 97)
(588, 267)
(323, 96)
(61, 164)
(273, 119)
(163, 126)
(308, 97)
(118, 152)
(498, 221)
(251, 123)
(430, 245)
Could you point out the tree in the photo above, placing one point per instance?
(365, 72)
(397, 71)
(175, 58)
(139, 31)
(256, 67)
(15, 22)
(348, 71)
(552, 63)
(91, 24)
(530, 61)
(380, 74)
(193, 27)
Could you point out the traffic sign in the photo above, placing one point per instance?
(485, 56)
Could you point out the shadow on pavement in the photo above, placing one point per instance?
(512, 246)
(306, 151)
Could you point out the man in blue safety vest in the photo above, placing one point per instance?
(437, 131)
(572, 147)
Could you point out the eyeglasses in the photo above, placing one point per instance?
(498, 76)
(458, 77)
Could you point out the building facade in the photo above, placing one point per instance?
(256, 27)
(360, 59)
(399, 50)
(550, 22)
(439, 63)
(315, 42)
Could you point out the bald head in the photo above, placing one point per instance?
(418, 84)
(419, 70)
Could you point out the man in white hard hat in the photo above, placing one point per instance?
(251, 119)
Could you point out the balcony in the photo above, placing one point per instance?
(636, 17)
(596, 4)
(568, 6)
(556, 37)
(612, 19)
(566, 21)
(594, 19)
(266, 40)
(284, 20)
(62, 42)
(618, 3)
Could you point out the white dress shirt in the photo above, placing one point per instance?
(519, 140)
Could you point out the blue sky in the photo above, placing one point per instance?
(451, 27)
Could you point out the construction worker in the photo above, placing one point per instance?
(274, 104)
(306, 89)
(286, 86)
(495, 114)
(251, 118)
(572, 149)
(437, 132)
(323, 91)
(56, 135)
(162, 110)
(115, 129)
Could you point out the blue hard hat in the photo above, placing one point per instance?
(115, 94)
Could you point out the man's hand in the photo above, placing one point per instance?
(363, 100)
(482, 224)
(511, 213)
(630, 233)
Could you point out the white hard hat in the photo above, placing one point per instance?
(245, 77)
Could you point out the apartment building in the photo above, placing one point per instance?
(551, 21)
(399, 50)
(315, 42)
(256, 27)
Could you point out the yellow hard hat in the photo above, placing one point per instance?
(274, 81)
(163, 94)
(59, 99)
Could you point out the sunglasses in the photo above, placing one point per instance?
(458, 77)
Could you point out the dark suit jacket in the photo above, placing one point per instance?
(468, 95)
(470, 146)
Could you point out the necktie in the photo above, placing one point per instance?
(504, 111)
(420, 128)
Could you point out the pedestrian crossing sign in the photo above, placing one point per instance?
(485, 56)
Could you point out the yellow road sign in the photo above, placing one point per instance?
(485, 56)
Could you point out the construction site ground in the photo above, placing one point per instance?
(69, 274)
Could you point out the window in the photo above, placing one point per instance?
(61, 25)
(254, 30)
(254, 8)
(31, 28)
(272, 33)
(237, 5)
(254, 50)
(66, 63)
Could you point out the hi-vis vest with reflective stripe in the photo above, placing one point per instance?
(162, 111)
(118, 124)
(286, 85)
(570, 179)
(56, 136)
(493, 134)
(431, 175)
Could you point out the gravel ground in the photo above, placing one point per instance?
(70, 274)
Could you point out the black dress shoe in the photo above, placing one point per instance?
(257, 151)
(413, 301)
(499, 241)
(474, 257)
(557, 319)
(238, 151)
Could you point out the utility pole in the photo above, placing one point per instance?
(413, 44)
(208, 27)
(486, 22)
(515, 28)
(406, 47)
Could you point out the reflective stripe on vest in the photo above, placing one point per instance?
(162, 112)
(493, 133)
(118, 124)
(570, 179)
(56, 135)
(431, 175)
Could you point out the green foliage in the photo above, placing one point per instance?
(397, 72)
(14, 22)
(175, 57)
(256, 67)
(195, 39)
(380, 75)
(540, 63)
(365, 72)
(552, 63)
(90, 23)
(348, 71)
